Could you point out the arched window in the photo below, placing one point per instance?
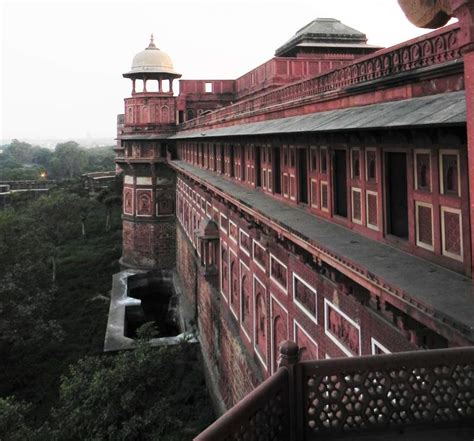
(245, 307)
(233, 283)
(372, 171)
(189, 114)
(423, 176)
(356, 168)
(451, 179)
(224, 275)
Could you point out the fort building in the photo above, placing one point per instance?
(323, 198)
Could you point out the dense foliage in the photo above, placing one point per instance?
(53, 281)
(57, 257)
(21, 160)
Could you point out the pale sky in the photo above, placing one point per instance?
(61, 62)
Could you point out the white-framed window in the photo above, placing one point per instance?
(305, 297)
(341, 329)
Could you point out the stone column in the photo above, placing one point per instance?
(288, 358)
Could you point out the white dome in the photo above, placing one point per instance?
(152, 61)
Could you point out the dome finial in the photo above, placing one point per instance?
(152, 43)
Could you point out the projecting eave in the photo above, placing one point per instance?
(144, 136)
(446, 109)
(339, 45)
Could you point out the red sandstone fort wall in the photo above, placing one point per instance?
(266, 293)
(228, 361)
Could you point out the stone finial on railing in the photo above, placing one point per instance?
(289, 353)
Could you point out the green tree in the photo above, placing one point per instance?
(58, 218)
(111, 197)
(42, 156)
(69, 160)
(14, 420)
(145, 394)
(22, 152)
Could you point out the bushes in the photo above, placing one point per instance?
(145, 394)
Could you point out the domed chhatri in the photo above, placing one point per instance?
(152, 63)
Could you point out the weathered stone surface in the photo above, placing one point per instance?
(426, 13)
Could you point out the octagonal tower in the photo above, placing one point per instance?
(149, 184)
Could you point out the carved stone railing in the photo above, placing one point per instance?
(263, 414)
(421, 388)
(435, 48)
(348, 396)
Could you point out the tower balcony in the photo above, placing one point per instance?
(416, 395)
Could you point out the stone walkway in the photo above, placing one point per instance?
(450, 294)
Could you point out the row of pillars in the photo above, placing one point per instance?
(160, 85)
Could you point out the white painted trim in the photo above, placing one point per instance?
(374, 343)
(233, 239)
(272, 354)
(226, 247)
(130, 213)
(441, 171)
(352, 150)
(293, 198)
(417, 226)
(136, 199)
(277, 283)
(259, 356)
(297, 324)
(240, 242)
(311, 150)
(367, 193)
(321, 162)
(315, 205)
(230, 281)
(220, 223)
(288, 177)
(242, 264)
(356, 190)
(446, 253)
(254, 242)
(321, 185)
(332, 337)
(300, 306)
(416, 152)
(370, 149)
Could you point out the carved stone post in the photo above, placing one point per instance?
(288, 358)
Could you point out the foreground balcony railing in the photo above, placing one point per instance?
(321, 399)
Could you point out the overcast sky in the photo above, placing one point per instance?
(61, 62)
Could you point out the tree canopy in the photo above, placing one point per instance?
(21, 160)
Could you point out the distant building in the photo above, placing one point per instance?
(322, 198)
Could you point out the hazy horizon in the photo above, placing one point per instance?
(62, 61)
